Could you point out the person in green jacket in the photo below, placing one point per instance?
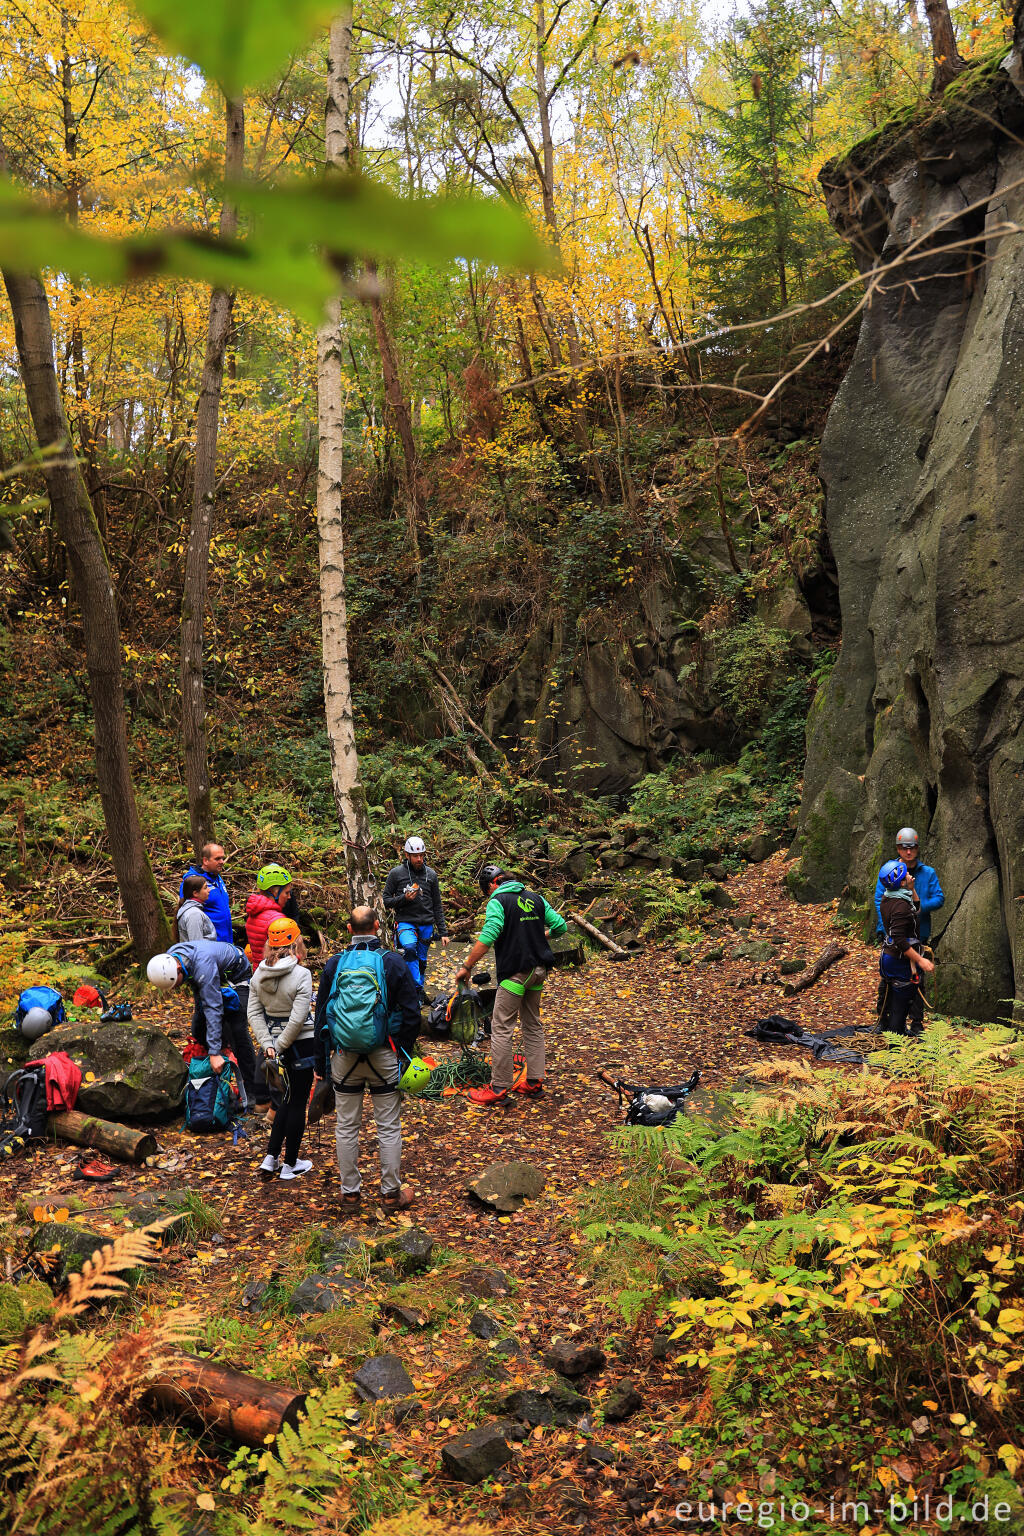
(517, 923)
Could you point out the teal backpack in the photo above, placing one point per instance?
(212, 1099)
(357, 1004)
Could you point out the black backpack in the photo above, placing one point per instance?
(22, 1109)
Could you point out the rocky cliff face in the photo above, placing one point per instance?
(923, 463)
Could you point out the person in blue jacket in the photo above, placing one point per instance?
(928, 894)
(218, 975)
(218, 903)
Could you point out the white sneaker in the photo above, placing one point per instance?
(302, 1165)
(269, 1164)
(294, 1170)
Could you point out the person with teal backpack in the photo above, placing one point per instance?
(366, 1014)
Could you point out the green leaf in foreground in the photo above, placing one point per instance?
(34, 237)
(237, 42)
(351, 216)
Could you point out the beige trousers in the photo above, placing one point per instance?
(522, 1004)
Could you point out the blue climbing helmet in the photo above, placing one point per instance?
(893, 874)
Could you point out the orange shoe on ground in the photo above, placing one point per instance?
(487, 1095)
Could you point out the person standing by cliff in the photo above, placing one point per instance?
(412, 894)
(902, 962)
(924, 884)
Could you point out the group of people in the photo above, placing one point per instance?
(254, 1002)
(907, 892)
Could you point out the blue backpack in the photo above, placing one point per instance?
(357, 1005)
(212, 1101)
(41, 997)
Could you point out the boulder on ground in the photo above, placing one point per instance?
(383, 1377)
(476, 1454)
(323, 1293)
(484, 1326)
(137, 1072)
(624, 1400)
(504, 1186)
(571, 1358)
(485, 1283)
(409, 1252)
(71, 1245)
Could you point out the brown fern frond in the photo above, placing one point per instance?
(100, 1277)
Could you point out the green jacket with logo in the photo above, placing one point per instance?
(514, 924)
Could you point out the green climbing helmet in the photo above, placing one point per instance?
(271, 876)
(415, 1077)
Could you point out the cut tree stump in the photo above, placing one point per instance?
(829, 956)
(120, 1141)
(243, 1408)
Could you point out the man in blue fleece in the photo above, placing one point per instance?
(928, 894)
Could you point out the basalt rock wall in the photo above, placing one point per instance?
(923, 463)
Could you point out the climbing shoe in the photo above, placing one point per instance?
(487, 1095)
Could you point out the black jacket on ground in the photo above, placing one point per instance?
(403, 1005)
(425, 906)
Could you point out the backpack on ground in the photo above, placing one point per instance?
(47, 998)
(212, 1099)
(63, 1080)
(22, 1109)
(357, 1005)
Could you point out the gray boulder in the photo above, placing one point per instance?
(381, 1378)
(485, 1283)
(504, 1186)
(323, 1293)
(138, 1073)
(409, 1252)
(476, 1454)
(571, 1358)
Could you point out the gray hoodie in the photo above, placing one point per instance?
(193, 923)
(280, 1003)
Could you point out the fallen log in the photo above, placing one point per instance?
(120, 1141)
(243, 1408)
(829, 956)
(595, 933)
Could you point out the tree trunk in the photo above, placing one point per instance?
(945, 52)
(119, 1141)
(830, 955)
(244, 1408)
(197, 559)
(401, 416)
(95, 594)
(349, 798)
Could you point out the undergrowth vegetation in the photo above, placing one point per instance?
(839, 1261)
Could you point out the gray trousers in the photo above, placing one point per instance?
(518, 998)
(352, 1075)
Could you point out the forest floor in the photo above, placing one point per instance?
(647, 1019)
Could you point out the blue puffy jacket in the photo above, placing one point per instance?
(929, 891)
(218, 906)
(209, 965)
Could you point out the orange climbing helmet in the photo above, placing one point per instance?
(282, 931)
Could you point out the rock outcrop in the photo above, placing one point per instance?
(923, 463)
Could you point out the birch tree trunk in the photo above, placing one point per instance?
(94, 590)
(349, 798)
(197, 560)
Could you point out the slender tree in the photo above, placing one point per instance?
(94, 590)
(349, 797)
(197, 559)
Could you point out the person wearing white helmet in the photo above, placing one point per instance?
(413, 895)
(924, 884)
(215, 972)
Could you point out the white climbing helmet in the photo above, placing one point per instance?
(414, 845)
(162, 971)
(36, 1022)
